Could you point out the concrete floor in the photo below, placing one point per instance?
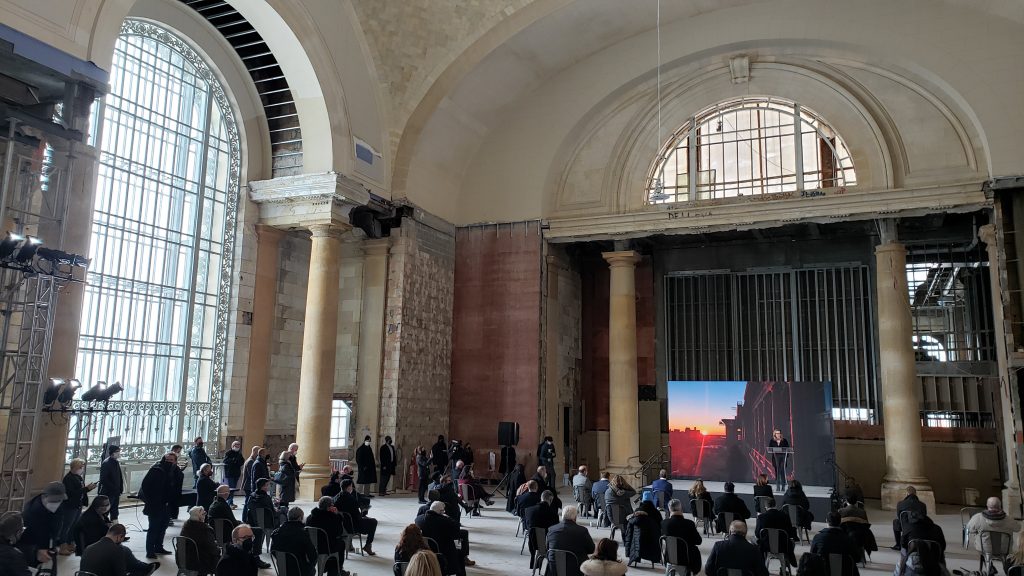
(495, 548)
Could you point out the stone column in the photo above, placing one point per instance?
(1011, 489)
(900, 405)
(316, 375)
(623, 425)
(371, 339)
(264, 307)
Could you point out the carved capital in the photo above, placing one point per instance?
(621, 258)
(987, 234)
(326, 231)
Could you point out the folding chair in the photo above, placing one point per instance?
(701, 512)
(837, 565)
(540, 536)
(399, 568)
(469, 497)
(262, 524)
(723, 520)
(675, 555)
(186, 556)
(285, 563)
(583, 497)
(994, 546)
(322, 543)
(350, 530)
(776, 538)
(222, 532)
(761, 503)
(617, 523)
(796, 516)
(432, 544)
(931, 548)
(561, 560)
(966, 513)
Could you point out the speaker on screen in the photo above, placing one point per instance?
(508, 433)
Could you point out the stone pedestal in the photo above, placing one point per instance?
(371, 338)
(316, 376)
(623, 429)
(264, 306)
(900, 407)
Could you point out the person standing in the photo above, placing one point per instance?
(42, 524)
(388, 462)
(233, 461)
(285, 480)
(422, 472)
(366, 466)
(779, 460)
(293, 449)
(546, 457)
(157, 493)
(71, 509)
(206, 488)
(439, 454)
(198, 456)
(178, 483)
(111, 480)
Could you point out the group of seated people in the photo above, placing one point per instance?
(437, 528)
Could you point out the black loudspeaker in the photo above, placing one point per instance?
(508, 433)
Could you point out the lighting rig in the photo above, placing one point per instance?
(28, 254)
(59, 394)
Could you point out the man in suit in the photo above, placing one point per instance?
(679, 526)
(735, 552)
(774, 518)
(569, 536)
(730, 502)
(445, 531)
(527, 499)
(111, 480)
(221, 510)
(291, 538)
(109, 557)
(910, 503)
(543, 515)
(662, 485)
(348, 502)
(388, 462)
(835, 540)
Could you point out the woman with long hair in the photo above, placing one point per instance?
(410, 541)
(699, 492)
(424, 563)
(761, 488)
(604, 561)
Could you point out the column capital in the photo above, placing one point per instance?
(377, 246)
(268, 233)
(621, 258)
(987, 234)
(890, 247)
(326, 231)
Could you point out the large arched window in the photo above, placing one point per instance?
(155, 314)
(747, 147)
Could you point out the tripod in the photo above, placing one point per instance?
(510, 466)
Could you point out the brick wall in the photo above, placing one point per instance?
(497, 334)
(418, 338)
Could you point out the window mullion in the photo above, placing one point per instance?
(798, 147)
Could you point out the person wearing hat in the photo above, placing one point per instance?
(11, 558)
(42, 523)
(261, 500)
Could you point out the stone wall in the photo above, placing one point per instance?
(497, 335)
(240, 321)
(562, 357)
(286, 341)
(418, 339)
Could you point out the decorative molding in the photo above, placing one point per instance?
(304, 200)
(739, 68)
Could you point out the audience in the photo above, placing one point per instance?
(543, 515)
(423, 563)
(729, 503)
(910, 503)
(240, 558)
(581, 485)
(196, 529)
(795, 496)
(348, 503)
(834, 540)
(325, 517)
(680, 526)
(42, 524)
(333, 486)
(919, 561)
(445, 531)
(992, 519)
(605, 560)
(291, 538)
(569, 536)
(477, 490)
(853, 511)
(221, 510)
(71, 509)
(528, 499)
(109, 557)
(642, 534)
(699, 492)
(11, 557)
(93, 523)
(206, 488)
(736, 553)
(543, 480)
(773, 518)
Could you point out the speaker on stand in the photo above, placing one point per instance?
(508, 438)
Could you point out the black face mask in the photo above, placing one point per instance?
(247, 545)
(200, 445)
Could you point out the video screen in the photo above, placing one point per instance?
(720, 431)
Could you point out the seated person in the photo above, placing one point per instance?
(699, 493)
(662, 485)
(991, 519)
(11, 558)
(569, 536)
(543, 515)
(445, 531)
(795, 496)
(410, 541)
(529, 498)
(581, 485)
(93, 524)
(605, 560)
(333, 486)
(221, 510)
(736, 553)
(541, 477)
(853, 511)
(196, 529)
(348, 503)
(110, 557)
(619, 496)
(919, 561)
(239, 559)
(730, 502)
(774, 518)
(918, 527)
(291, 538)
(677, 525)
(834, 540)
(476, 489)
(910, 503)
(325, 517)
(762, 489)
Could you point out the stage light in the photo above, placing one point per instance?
(59, 257)
(9, 244)
(59, 393)
(110, 392)
(68, 394)
(27, 250)
(93, 393)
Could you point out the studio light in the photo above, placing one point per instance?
(110, 392)
(9, 244)
(93, 393)
(59, 393)
(61, 258)
(27, 250)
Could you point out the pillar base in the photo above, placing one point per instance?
(313, 478)
(895, 490)
(623, 470)
(1012, 502)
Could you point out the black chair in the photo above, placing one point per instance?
(263, 524)
(349, 525)
(797, 514)
(675, 555)
(839, 565)
(222, 532)
(1017, 570)
(733, 572)
(540, 544)
(760, 503)
(285, 563)
(702, 511)
(584, 498)
(399, 568)
(561, 560)
(470, 499)
(776, 548)
(432, 544)
(186, 556)
(994, 546)
(722, 522)
(324, 557)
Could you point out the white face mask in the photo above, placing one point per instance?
(51, 506)
(367, 443)
(80, 472)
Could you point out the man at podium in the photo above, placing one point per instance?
(779, 457)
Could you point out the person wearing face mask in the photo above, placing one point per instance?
(111, 479)
(245, 480)
(198, 456)
(196, 529)
(233, 461)
(42, 523)
(71, 509)
(179, 482)
(110, 557)
(388, 463)
(546, 457)
(366, 466)
(285, 480)
(93, 524)
(11, 559)
(221, 510)
(206, 488)
(238, 559)
(293, 449)
(157, 493)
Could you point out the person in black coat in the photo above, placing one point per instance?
(679, 526)
(325, 517)
(198, 456)
(910, 503)
(206, 488)
(779, 461)
(260, 469)
(291, 538)
(233, 461)
(761, 489)
(543, 515)
(261, 504)
(736, 553)
(285, 478)
(93, 524)
(422, 473)
(197, 530)
(111, 480)
(795, 496)
(919, 527)
(366, 466)
(220, 509)
(642, 534)
(109, 557)
(730, 502)
(71, 509)
(333, 486)
(388, 464)
(42, 520)
(835, 540)
(158, 494)
(516, 479)
(239, 559)
(569, 536)
(445, 531)
(177, 484)
(774, 518)
(439, 454)
(11, 559)
(527, 499)
(348, 503)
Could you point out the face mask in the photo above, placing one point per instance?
(79, 472)
(367, 443)
(103, 509)
(200, 445)
(51, 506)
(247, 545)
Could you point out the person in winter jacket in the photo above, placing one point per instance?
(991, 519)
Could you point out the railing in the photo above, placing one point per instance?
(656, 461)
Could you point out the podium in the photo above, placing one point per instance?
(775, 451)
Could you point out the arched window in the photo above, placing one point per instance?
(155, 312)
(747, 147)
